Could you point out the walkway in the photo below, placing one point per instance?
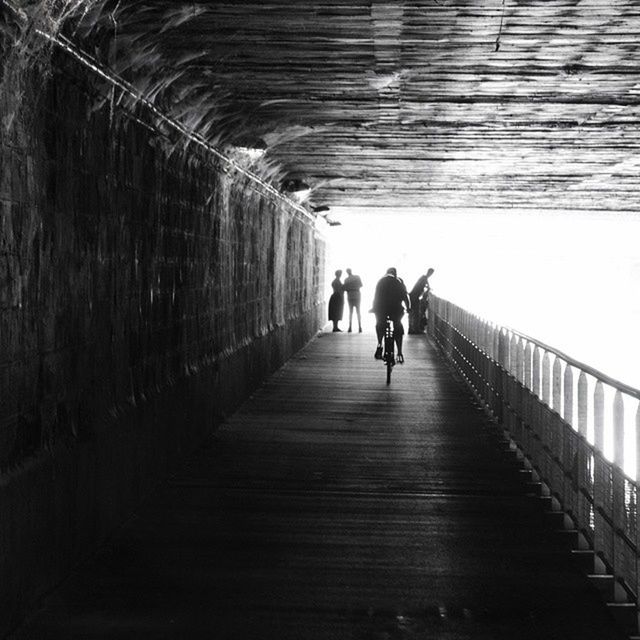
(332, 507)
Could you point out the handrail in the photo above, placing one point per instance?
(612, 382)
(561, 427)
(569, 360)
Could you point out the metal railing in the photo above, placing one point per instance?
(576, 427)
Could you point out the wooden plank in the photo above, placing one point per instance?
(333, 506)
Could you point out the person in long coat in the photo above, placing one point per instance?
(336, 301)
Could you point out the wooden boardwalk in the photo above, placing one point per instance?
(331, 506)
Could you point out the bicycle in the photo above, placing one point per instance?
(389, 356)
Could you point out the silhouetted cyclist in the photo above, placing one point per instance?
(390, 300)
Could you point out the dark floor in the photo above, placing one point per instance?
(331, 506)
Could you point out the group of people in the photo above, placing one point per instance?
(391, 298)
(351, 285)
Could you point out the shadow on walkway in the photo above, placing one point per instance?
(331, 506)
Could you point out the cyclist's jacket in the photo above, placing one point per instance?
(389, 296)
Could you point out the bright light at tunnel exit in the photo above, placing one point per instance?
(568, 279)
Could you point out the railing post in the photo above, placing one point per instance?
(598, 416)
(519, 372)
(536, 371)
(618, 430)
(546, 378)
(527, 365)
(583, 405)
(513, 355)
(488, 339)
(568, 395)
(474, 330)
(503, 349)
(557, 385)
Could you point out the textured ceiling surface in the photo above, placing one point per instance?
(438, 103)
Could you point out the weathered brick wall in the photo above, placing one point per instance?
(144, 291)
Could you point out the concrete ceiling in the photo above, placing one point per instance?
(432, 103)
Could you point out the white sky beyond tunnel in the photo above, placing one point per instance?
(571, 280)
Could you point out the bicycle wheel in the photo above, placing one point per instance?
(389, 354)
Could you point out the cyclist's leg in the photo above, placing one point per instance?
(380, 327)
(398, 333)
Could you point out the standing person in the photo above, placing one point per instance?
(419, 297)
(390, 296)
(352, 285)
(336, 301)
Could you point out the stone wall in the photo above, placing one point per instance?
(145, 290)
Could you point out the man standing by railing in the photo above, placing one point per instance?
(419, 297)
(390, 296)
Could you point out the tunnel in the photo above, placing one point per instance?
(177, 185)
